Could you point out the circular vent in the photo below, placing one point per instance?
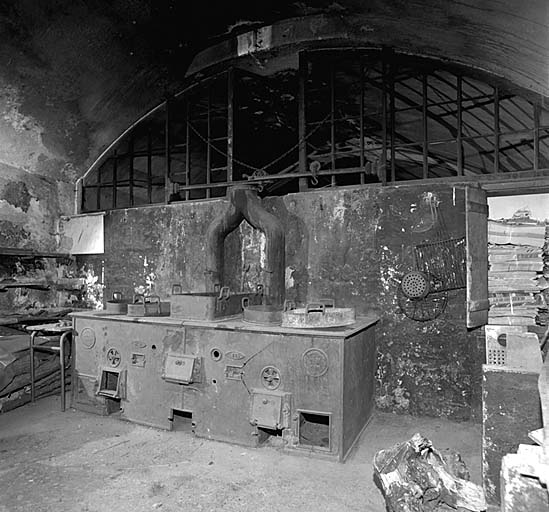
(114, 357)
(415, 285)
(270, 377)
(421, 296)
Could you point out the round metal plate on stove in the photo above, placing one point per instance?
(270, 377)
(87, 337)
(315, 362)
(114, 357)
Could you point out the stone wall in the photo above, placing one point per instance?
(351, 244)
(68, 85)
(72, 78)
(75, 74)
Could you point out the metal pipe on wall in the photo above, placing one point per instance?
(245, 204)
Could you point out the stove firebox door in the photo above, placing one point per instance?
(178, 368)
(269, 409)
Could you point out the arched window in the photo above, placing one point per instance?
(343, 117)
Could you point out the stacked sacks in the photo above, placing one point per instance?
(516, 279)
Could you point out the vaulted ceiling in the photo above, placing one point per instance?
(75, 73)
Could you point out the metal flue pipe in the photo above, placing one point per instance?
(245, 204)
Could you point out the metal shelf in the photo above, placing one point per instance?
(31, 253)
(69, 284)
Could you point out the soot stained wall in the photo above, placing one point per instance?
(433, 367)
(349, 244)
(68, 86)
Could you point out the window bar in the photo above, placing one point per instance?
(80, 196)
(384, 123)
(362, 71)
(424, 120)
(187, 148)
(114, 179)
(508, 127)
(503, 108)
(496, 130)
(392, 114)
(149, 166)
(167, 141)
(459, 144)
(302, 123)
(332, 123)
(99, 187)
(537, 112)
(130, 173)
(230, 123)
(209, 139)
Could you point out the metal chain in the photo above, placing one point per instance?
(277, 159)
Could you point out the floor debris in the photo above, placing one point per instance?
(415, 477)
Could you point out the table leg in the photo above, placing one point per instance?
(64, 337)
(31, 351)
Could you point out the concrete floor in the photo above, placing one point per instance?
(73, 461)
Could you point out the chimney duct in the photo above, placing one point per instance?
(245, 204)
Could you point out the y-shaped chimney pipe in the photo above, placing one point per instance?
(244, 203)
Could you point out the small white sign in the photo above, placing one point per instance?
(82, 234)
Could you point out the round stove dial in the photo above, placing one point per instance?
(114, 357)
(270, 377)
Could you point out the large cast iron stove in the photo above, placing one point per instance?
(309, 389)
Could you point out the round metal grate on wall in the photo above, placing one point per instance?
(420, 296)
(415, 285)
